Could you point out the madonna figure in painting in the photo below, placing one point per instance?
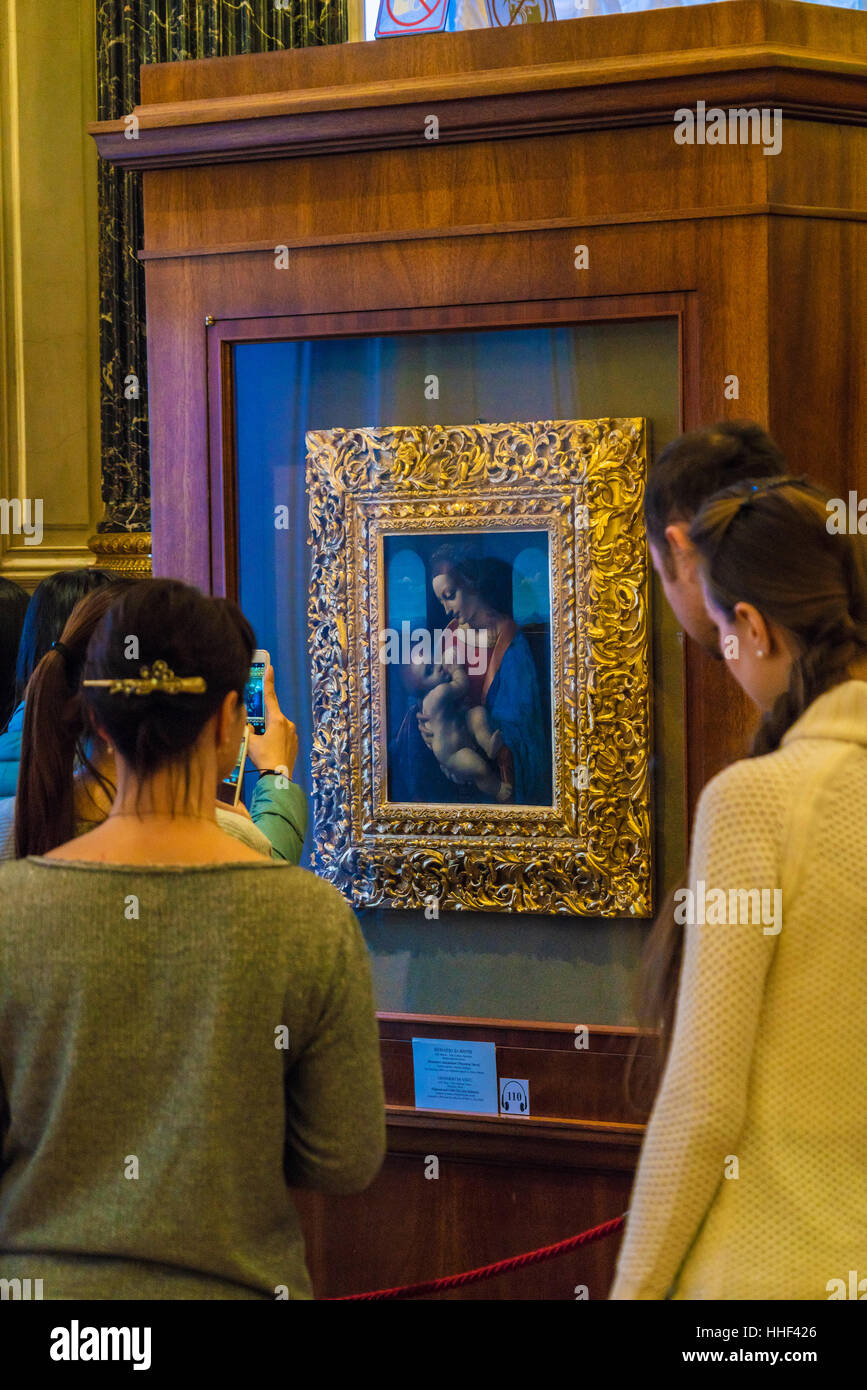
(475, 730)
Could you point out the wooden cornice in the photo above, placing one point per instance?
(597, 86)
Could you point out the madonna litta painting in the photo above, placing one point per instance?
(479, 641)
(468, 714)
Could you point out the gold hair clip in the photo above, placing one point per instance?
(160, 677)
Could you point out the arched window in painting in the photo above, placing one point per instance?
(407, 594)
(530, 587)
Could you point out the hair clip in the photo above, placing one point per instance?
(785, 480)
(159, 677)
(763, 487)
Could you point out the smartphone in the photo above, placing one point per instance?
(229, 790)
(254, 693)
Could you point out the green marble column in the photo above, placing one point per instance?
(129, 33)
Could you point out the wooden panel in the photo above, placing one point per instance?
(567, 1082)
(504, 1186)
(818, 413)
(407, 1228)
(599, 175)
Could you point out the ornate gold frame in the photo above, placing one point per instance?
(580, 480)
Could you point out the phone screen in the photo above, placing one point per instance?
(227, 789)
(233, 776)
(254, 697)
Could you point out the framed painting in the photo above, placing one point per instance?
(479, 641)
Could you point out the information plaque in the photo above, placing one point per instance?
(455, 1076)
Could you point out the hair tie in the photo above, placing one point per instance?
(64, 651)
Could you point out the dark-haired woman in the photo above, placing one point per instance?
(752, 1182)
(51, 603)
(187, 1029)
(68, 778)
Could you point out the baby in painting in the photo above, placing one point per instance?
(460, 736)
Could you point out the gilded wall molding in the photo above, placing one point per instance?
(49, 381)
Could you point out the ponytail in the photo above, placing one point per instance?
(56, 729)
(44, 798)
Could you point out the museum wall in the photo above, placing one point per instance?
(557, 968)
(49, 359)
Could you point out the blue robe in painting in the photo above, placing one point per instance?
(514, 707)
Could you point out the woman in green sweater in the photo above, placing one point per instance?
(187, 1028)
(68, 780)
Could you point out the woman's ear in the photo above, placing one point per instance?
(227, 718)
(757, 629)
(680, 548)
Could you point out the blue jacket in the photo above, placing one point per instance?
(10, 752)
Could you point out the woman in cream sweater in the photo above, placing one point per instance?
(752, 1182)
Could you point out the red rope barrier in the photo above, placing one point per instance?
(474, 1276)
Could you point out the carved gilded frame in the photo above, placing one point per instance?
(582, 481)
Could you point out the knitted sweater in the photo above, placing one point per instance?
(152, 1120)
(752, 1181)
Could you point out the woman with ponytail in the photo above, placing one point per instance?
(174, 1007)
(50, 606)
(52, 802)
(752, 1183)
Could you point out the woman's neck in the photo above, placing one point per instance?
(165, 796)
(164, 819)
(106, 790)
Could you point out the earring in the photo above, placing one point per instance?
(760, 653)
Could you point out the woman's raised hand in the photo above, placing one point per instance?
(278, 747)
